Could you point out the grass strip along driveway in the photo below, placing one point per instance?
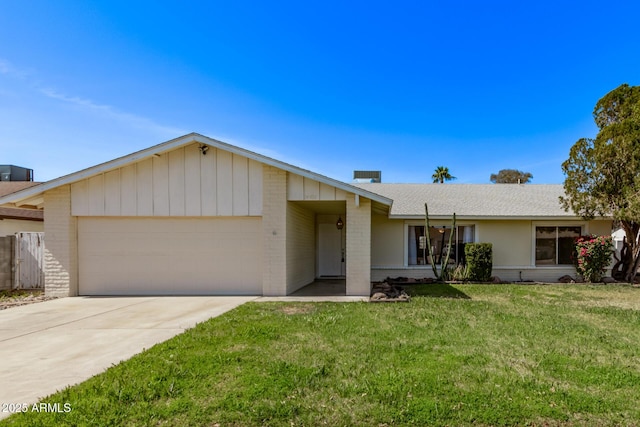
(455, 355)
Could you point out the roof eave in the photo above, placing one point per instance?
(34, 192)
(21, 218)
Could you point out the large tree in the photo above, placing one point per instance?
(441, 174)
(511, 176)
(602, 175)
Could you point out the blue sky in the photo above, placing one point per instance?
(401, 87)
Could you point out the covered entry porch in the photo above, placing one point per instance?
(323, 251)
(319, 241)
(323, 288)
(315, 230)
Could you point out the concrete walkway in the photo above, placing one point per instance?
(46, 346)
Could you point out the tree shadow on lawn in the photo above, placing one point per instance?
(436, 290)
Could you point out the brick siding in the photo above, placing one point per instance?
(61, 253)
(274, 228)
(358, 254)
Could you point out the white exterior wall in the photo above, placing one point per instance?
(387, 242)
(516, 274)
(513, 249)
(61, 250)
(301, 247)
(512, 241)
(9, 227)
(547, 274)
(183, 182)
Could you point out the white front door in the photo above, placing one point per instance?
(331, 257)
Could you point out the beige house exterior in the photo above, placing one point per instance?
(197, 216)
(530, 232)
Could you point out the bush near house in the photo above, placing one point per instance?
(479, 257)
(593, 255)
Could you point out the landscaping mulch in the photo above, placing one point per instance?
(18, 297)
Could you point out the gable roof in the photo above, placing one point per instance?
(477, 201)
(33, 196)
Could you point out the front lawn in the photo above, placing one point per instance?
(455, 355)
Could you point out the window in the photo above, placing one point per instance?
(418, 252)
(555, 245)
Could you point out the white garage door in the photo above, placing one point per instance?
(170, 256)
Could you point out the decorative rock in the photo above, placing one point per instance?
(408, 281)
(566, 279)
(383, 292)
(378, 296)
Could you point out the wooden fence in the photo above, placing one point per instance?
(29, 260)
(22, 261)
(7, 245)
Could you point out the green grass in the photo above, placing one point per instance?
(455, 355)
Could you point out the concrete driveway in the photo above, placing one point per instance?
(47, 346)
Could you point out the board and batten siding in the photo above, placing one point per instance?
(182, 182)
(302, 188)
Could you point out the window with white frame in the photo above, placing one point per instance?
(419, 254)
(556, 245)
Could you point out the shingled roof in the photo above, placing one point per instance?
(490, 201)
(8, 187)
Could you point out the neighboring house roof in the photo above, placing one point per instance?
(9, 187)
(34, 196)
(490, 201)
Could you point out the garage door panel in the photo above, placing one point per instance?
(170, 256)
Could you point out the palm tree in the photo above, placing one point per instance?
(441, 175)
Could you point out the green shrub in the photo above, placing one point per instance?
(479, 257)
(593, 256)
